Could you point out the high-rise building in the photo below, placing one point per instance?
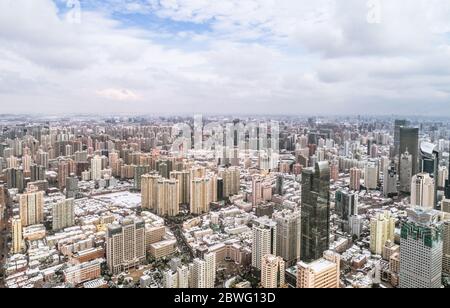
(63, 214)
(409, 142)
(17, 238)
(323, 273)
(288, 235)
(149, 191)
(204, 272)
(429, 163)
(31, 207)
(421, 250)
(96, 168)
(346, 206)
(168, 197)
(398, 124)
(256, 191)
(125, 245)
(390, 181)
(272, 272)
(202, 194)
(422, 191)
(264, 240)
(72, 187)
(183, 177)
(371, 176)
(382, 229)
(315, 212)
(446, 248)
(405, 172)
(355, 179)
(63, 174)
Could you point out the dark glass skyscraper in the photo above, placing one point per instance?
(409, 141)
(315, 212)
(398, 125)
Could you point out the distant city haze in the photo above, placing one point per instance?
(282, 57)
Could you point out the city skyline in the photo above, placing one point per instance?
(252, 57)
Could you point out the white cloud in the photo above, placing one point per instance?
(257, 56)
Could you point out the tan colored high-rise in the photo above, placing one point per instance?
(149, 191)
(168, 197)
(201, 195)
(183, 177)
(382, 229)
(31, 207)
(125, 245)
(272, 272)
(355, 179)
(264, 240)
(17, 238)
(321, 274)
(422, 191)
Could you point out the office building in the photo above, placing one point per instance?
(421, 250)
(429, 163)
(346, 205)
(446, 248)
(409, 142)
(125, 245)
(315, 214)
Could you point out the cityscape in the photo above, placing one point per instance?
(178, 145)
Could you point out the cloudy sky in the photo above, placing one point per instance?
(225, 56)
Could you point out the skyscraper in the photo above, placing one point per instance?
(409, 141)
(125, 245)
(398, 124)
(382, 229)
(421, 249)
(422, 191)
(264, 240)
(63, 214)
(288, 235)
(315, 212)
(272, 272)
